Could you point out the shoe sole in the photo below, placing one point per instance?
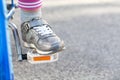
(32, 46)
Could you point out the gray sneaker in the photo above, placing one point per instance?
(37, 34)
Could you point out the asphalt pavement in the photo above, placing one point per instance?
(91, 32)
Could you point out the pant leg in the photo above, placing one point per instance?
(30, 4)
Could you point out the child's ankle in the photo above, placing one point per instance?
(28, 15)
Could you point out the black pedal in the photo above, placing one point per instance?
(9, 6)
(24, 56)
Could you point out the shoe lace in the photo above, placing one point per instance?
(43, 30)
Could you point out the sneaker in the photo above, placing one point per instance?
(37, 34)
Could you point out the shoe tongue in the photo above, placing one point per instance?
(36, 23)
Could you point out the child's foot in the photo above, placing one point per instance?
(37, 34)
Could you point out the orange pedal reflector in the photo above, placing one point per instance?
(37, 58)
(41, 58)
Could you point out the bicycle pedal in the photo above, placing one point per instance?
(34, 57)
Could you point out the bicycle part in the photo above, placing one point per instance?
(6, 69)
(34, 57)
(17, 40)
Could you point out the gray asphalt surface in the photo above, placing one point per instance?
(91, 32)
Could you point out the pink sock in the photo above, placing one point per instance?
(30, 4)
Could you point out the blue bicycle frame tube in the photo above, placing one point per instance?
(6, 72)
(12, 10)
(12, 2)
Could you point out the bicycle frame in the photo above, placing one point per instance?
(6, 69)
(15, 31)
(6, 72)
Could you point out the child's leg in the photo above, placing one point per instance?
(35, 31)
(30, 7)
